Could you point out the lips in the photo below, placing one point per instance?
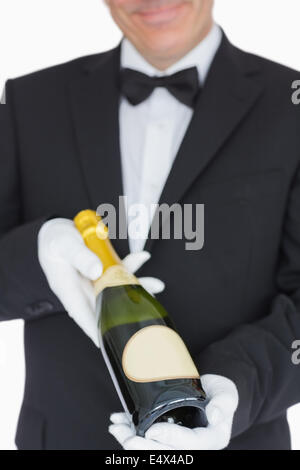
(156, 15)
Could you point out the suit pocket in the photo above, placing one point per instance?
(31, 429)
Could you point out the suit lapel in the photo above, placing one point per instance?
(228, 95)
(95, 110)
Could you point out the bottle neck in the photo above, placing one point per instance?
(102, 248)
(95, 235)
(114, 273)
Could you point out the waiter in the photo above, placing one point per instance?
(175, 114)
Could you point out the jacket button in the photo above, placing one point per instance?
(39, 308)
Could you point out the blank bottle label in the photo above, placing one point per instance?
(157, 353)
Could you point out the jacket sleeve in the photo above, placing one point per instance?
(258, 356)
(24, 292)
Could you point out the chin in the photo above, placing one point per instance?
(165, 42)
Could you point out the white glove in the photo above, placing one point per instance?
(70, 266)
(223, 401)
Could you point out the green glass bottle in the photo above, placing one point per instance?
(152, 370)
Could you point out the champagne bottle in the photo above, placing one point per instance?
(152, 370)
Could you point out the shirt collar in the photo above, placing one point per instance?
(201, 56)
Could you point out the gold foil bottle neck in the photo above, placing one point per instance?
(88, 221)
(96, 237)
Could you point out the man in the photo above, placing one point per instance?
(220, 130)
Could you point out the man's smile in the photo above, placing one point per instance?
(158, 15)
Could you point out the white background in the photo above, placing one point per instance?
(38, 33)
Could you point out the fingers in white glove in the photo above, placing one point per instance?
(124, 432)
(119, 418)
(152, 285)
(121, 432)
(223, 402)
(134, 261)
(182, 438)
(223, 398)
(166, 436)
(175, 436)
(139, 443)
(126, 436)
(65, 242)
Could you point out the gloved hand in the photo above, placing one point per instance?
(70, 266)
(223, 401)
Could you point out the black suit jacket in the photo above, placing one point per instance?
(236, 302)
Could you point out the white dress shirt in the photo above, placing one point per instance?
(151, 132)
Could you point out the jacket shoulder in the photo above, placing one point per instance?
(62, 73)
(270, 69)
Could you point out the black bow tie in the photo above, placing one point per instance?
(184, 85)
